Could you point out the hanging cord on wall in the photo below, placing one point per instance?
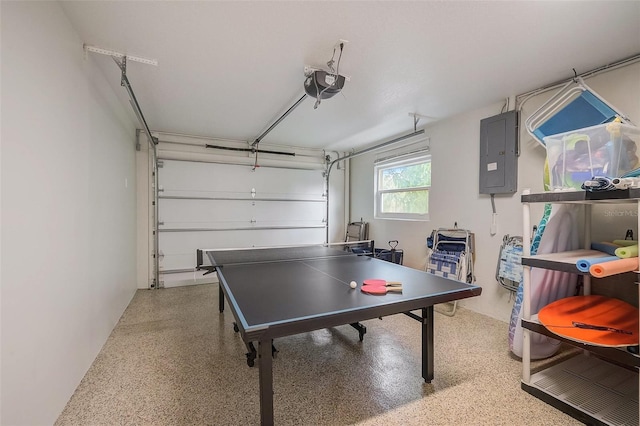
(505, 107)
(493, 230)
(334, 71)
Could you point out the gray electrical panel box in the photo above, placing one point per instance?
(498, 154)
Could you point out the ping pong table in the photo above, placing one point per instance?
(277, 292)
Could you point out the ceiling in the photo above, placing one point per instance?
(229, 69)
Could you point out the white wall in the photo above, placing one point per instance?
(454, 194)
(68, 212)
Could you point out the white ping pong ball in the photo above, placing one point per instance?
(353, 284)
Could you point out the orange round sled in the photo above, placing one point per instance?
(595, 320)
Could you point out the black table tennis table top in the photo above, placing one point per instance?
(283, 291)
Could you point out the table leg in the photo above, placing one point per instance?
(427, 344)
(266, 382)
(220, 298)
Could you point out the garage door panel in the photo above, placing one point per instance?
(179, 249)
(290, 212)
(193, 178)
(183, 178)
(188, 242)
(184, 213)
(174, 211)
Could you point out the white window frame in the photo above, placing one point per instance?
(404, 160)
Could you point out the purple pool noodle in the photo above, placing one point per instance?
(608, 248)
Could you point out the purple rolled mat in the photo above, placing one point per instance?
(605, 247)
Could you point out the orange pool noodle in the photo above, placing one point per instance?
(614, 267)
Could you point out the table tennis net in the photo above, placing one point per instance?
(211, 258)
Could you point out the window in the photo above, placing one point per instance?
(402, 187)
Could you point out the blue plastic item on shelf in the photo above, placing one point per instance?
(584, 111)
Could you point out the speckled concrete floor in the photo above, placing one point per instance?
(174, 360)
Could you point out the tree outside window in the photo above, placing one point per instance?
(402, 188)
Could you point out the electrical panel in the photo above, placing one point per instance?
(499, 154)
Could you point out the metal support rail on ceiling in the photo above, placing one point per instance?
(282, 117)
(239, 149)
(262, 151)
(228, 144)
(524, 97)
(124, 81)
(357, 153)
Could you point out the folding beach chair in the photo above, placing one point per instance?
(451, 256)
(509, 267)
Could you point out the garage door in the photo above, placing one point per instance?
(225, 205)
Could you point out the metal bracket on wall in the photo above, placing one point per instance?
(121, 60)
(417, 118)
(95, 49)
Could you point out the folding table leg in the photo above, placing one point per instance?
(427, 344)
(251, 354)
(265, 375)
(362, 330)
(220, 299)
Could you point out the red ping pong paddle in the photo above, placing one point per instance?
(379, 289)
(379, 282)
